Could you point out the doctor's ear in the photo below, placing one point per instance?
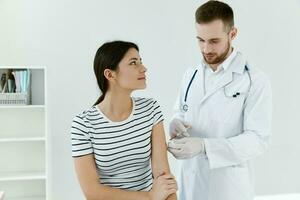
(233, 33)
(109, 74)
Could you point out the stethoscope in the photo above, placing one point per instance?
(185, 107)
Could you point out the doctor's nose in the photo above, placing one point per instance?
(206, 48)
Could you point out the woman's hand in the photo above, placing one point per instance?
(163, 186)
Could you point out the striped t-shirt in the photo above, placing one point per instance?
(122, 150)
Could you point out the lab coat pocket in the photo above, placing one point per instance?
(229, 183)
(239, 178)
(233, 109)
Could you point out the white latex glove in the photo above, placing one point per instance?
(187, 147)
(178, 128)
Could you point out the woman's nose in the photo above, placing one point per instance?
(144, 68)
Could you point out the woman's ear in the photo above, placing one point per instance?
(110, 75)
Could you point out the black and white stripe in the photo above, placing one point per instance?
(122, 150)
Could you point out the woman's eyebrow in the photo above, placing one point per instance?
(134, 59)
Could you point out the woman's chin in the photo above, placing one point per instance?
(141, 87)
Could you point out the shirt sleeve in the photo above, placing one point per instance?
(157, 113)
(81, 141)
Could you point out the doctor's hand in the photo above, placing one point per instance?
(178, 128)
(187, 147)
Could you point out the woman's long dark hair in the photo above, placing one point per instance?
(108, 56)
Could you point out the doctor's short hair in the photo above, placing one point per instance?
(214, 10)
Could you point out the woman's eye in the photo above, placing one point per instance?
(133, 63)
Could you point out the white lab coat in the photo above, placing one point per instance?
(235, 130)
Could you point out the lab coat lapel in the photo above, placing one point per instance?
(237, 66)
(201, 75)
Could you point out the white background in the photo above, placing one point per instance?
(65, 34)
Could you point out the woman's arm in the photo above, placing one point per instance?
(90, 183)
(159, 157)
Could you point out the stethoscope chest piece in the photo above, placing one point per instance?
(185, 107)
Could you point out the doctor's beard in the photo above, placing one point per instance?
(214, 58)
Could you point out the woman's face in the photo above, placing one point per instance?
(130, 74)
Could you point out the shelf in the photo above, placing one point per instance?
(22, 106)
(17, 176)
(26, 198)
(21, 67)
(27, 139)
(23, 141)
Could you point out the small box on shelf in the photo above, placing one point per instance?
(15, 86)
(15, 98)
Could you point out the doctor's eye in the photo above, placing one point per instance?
(214, 41)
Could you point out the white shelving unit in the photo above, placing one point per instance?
(23, 143)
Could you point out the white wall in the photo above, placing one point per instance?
(64, 36)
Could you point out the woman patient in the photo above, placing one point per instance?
(118, 144)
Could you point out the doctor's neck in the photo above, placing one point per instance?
(221, 58)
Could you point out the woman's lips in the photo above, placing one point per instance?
(142, 78)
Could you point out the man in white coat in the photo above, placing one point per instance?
(222, 114)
